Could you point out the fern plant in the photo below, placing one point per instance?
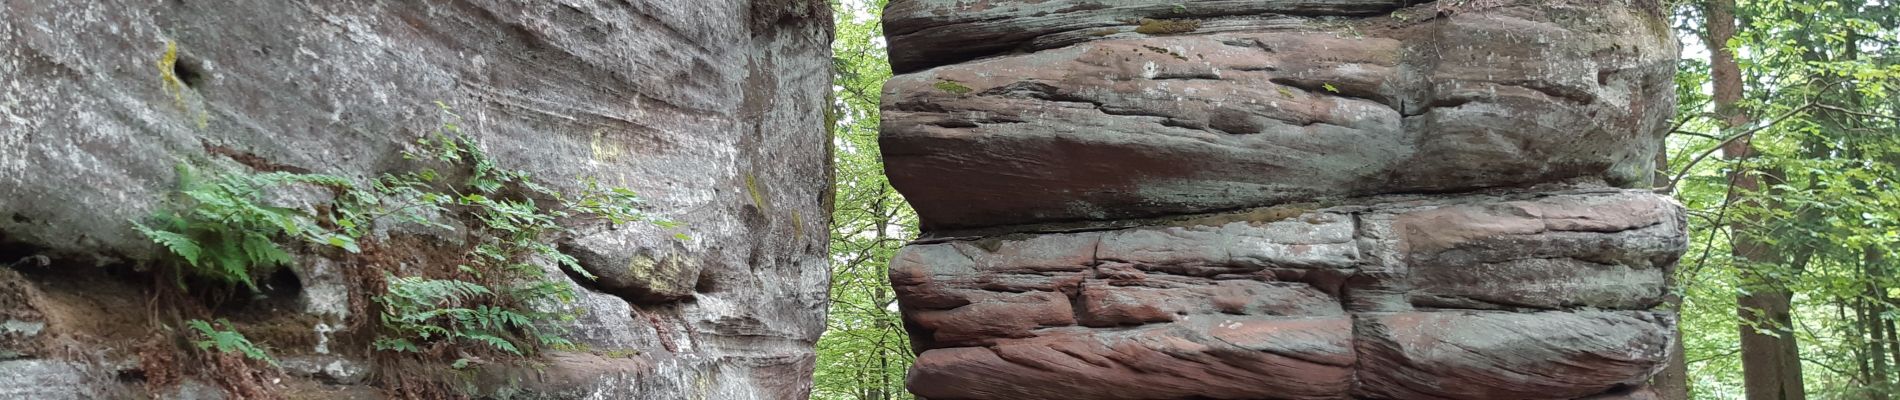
(227, 341)
(512, 219)
(226, 232)
(440, 310)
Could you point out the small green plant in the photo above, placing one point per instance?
(1179, 8)
(491, 299)
(952, 87)
(227, 341)
(442, 310)
(1167, 26)
(1329, 87)
(226, 232)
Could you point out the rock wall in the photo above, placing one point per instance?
(1144, 199)
(712, 110)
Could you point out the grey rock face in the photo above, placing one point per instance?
(712, 111)
(1281, 199)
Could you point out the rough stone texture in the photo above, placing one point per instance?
(1231, 116)
(711, 110)
(1484, 296)
(1328, 199)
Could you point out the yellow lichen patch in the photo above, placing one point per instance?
(603, 149)
(758, 196)
(167, 75)
(168, 78)
(1255, 216)
(798, 225)
(1167, 26)
(952, 87)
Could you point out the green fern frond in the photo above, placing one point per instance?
(227, 341)
(179, 244)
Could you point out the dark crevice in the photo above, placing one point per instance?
(1185, 76)
(1321, 87)
(1249, 43)
(954, 124)
(1575, 95)
(1453, 102)
(250, 160)
(188, 72)
(1130, 112)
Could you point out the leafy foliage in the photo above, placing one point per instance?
(227, 232)
(864, 353)
(1822, 87)
(496, 298)
(227, 341)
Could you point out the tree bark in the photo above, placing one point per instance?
(1771, 362)
(1672, 383)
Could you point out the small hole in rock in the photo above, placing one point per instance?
(707, 283)
(21, 219)
(131, 375)
(188, 71)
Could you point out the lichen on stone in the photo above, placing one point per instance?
(952, 87)
(1149, 26)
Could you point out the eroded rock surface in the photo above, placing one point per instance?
(1127, 124)
(712, 111)
(1282, 200)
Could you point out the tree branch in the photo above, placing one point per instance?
(1673, 182)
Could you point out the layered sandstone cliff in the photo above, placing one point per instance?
(1142, 199)
(711, 110)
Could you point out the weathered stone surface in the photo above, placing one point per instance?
(1232, 357)
(1135, 125)
(1506, 355)
(1454, 297)
(1400, 200)
(929, 33)
(713, 111)
(1564, 251)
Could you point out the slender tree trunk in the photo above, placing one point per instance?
(1878, 380)
(1893, 350)
(1771, 362)
(1672, 383)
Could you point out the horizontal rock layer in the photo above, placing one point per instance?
(1264, 107)
(1488, 296)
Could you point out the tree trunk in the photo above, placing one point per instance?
(1672, 383)
(1771, 363)
(1878, 381)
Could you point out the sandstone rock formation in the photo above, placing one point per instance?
(1282, 199)
(713, 111)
